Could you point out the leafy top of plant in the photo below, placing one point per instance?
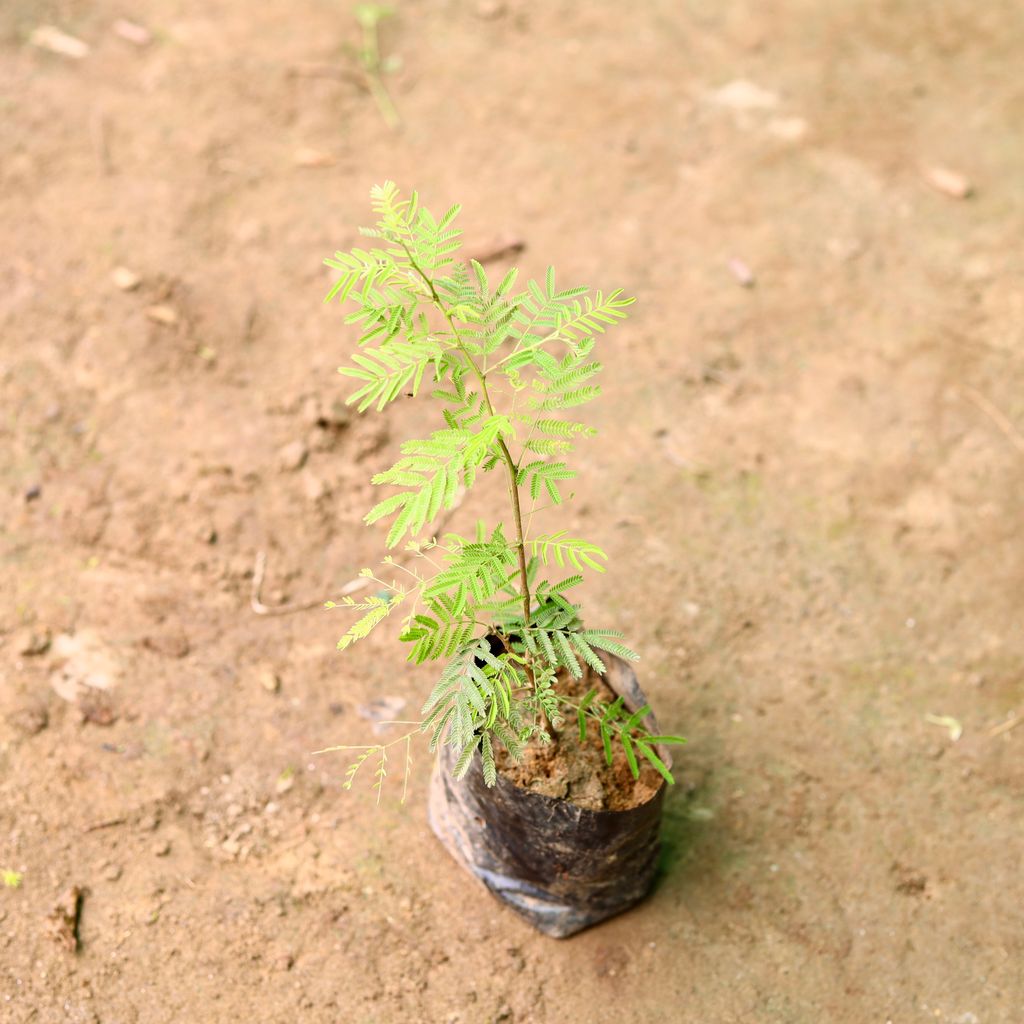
(507, 370)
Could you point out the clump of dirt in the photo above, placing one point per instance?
(577, 771)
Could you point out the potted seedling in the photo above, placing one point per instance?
(550, 769)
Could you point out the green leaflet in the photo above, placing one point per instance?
(562, 549)
(376, 610)
(432, 470)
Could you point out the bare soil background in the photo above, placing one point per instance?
(810, 490)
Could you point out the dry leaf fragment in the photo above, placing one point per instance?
(948, 182)
(46, 37)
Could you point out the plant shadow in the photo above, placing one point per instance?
(688, 836)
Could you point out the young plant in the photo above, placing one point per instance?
(502, 367)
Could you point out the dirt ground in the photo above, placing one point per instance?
(809, 480)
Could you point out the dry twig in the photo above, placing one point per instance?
(1010, 723)
(998, 418)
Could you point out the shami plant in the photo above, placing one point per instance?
(502, 367)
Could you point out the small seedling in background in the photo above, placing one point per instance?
(374, 66)
(12, 879)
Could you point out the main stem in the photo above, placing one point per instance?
(506, 455)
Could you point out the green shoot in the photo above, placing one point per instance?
(374, 66)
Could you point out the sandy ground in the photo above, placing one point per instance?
(810, 489)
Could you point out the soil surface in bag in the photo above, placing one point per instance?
(578, 771)
(561, 866)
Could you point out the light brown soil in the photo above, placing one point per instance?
(810, 490)
(579, 771)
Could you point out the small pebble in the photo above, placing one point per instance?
(744, 95)
(307, 157)
(32, 642)
(313, 487)
(33, 493)
(162, 314)
(125, 279)
(743, 274)
(161, 848)
(269, 679)
(30, 720)
(292, 456)
(131, 32)
(789, 129)
(948, 182)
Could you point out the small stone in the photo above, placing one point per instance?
(292, 456)
(149, 823)
(284, 783)
(490, 9)
(308, 157)
(172, 644)
(336, 416)
(32, 642)
(95, 708)
(162, 314)
(269, 679)
(311, 411)
(320, 439)
(284, 962)
(948, 182)
(30, 720)
(789, 129)
(313, 487)
(125, 279)
(744, 95)
(33, 493)
(743, 274)
(112, 872)
(161, 848)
